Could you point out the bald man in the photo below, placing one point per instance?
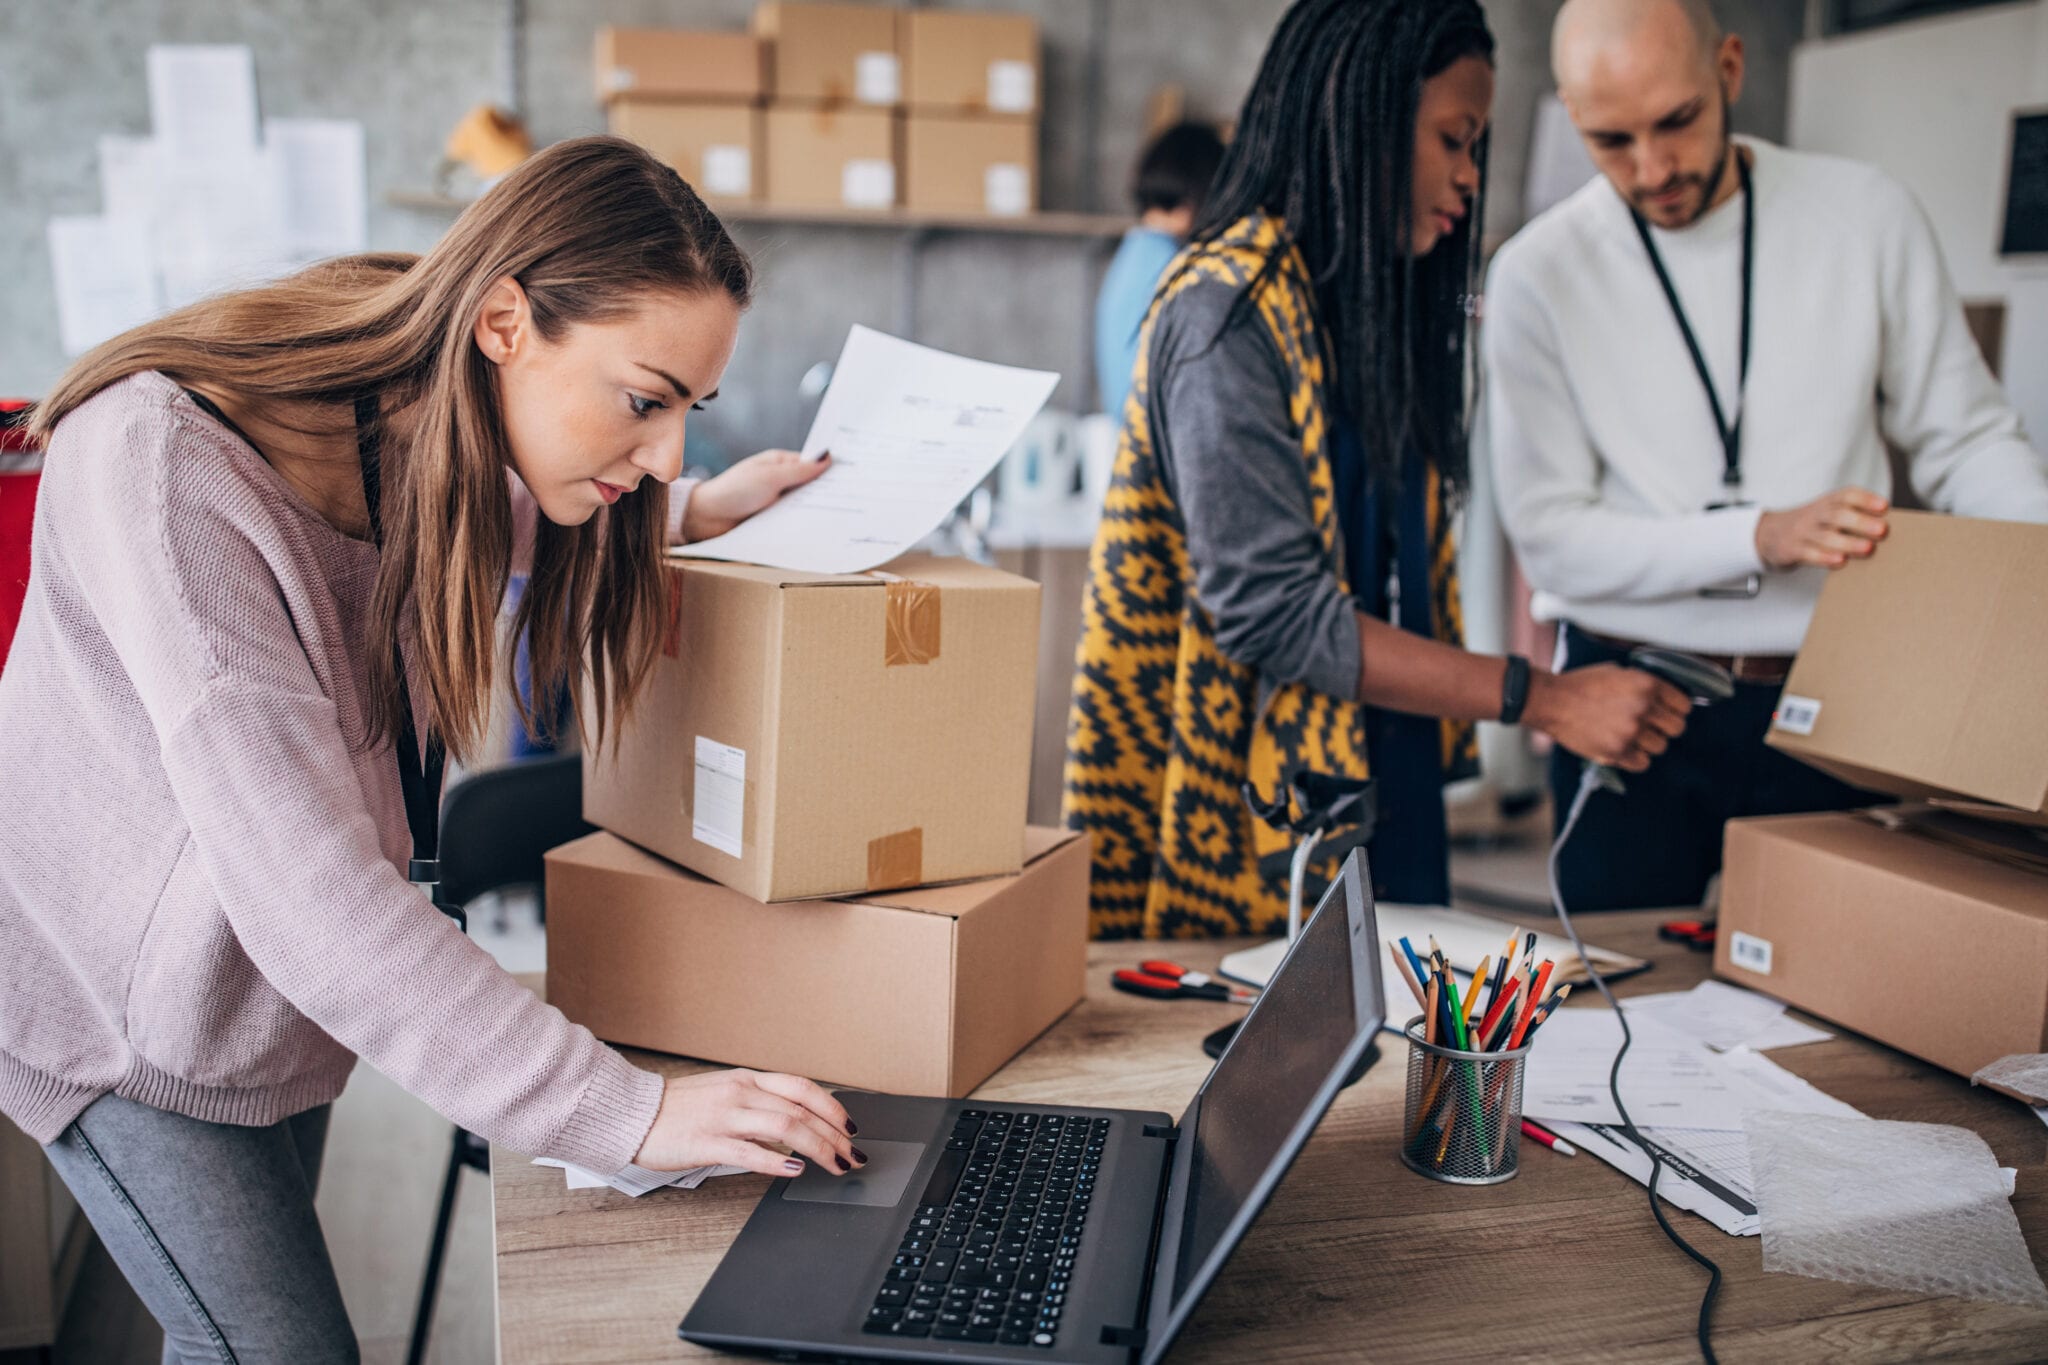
(1694, 366)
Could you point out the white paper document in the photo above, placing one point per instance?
(638, 1180)
(202, 98)
(1724, 1016)
(1667, 1079)
(104, 276)
(318, 164)
(911, 431)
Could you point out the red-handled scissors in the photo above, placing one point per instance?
(1171, 981)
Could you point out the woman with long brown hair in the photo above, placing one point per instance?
(274, 533)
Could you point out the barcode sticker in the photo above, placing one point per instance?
(728, 169)
(1750, 952)
(718, 809)
(876, 78)
(867, 183)
(1796, 715)
(1012, 87)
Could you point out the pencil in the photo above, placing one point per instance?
(1450, 1122)
(1549, 1006)
(1478, 980)
(1538, 1133)
(1406, 972)
(1429, 1012)
(1529, 1011)
(1414, 958)
(1502, 971)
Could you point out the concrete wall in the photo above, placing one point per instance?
(71, 69)
(1932, 103)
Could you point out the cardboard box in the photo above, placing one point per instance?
(826, 156)
(1911, 940)
(1921, 674)
(924, 992)
(840, 54)
(812, 735)
(675, 63)
(966, 63)
(963, 164)
(717, 148)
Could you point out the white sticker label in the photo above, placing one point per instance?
(1796, 715)
(718, 812)
(619, 78)
(876, 78)
(868, 183)
(1012, 87)
(728, 169)
(1750, 952)
(1006, 189)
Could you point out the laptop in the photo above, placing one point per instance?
(1032, 1232)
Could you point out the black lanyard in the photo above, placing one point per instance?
(1731, 432)
(419, 768)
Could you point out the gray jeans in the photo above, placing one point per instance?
(213, 1225)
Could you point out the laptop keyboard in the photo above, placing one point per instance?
(989, 1253)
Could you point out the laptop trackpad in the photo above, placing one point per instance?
(881, 1182)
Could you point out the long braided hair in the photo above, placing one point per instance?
(1326, 143)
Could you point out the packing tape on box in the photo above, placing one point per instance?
(1916, 1206)
(910, 622)
(672, 628)
(2023, 1075)
(896, 860)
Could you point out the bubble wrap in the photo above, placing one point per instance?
(2023, 1075)
(1914, 1206)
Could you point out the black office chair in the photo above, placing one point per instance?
(496, 825)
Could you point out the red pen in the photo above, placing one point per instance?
(1548, 1139)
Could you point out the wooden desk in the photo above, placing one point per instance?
(1357, 1258)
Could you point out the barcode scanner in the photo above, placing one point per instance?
(1706, 683)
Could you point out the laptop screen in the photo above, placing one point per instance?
(1266, 1085)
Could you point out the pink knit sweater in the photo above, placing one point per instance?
(202, 902)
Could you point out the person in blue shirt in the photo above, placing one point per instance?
(1172, 180)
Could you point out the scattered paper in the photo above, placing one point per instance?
(104, 276)
(1922, 1207)
(1724, 1016)
(1705, 1170)
(1667, 1080)
(2022, 1075)
(638, 1180)
(912, 431)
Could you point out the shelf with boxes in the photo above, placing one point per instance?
(846, 108)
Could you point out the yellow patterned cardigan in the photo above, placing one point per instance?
(1164, 730)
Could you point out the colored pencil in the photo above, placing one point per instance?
(1406, 972)
(1478, 980)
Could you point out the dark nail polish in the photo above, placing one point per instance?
(842, 1162)
(860, 1156)
(852, 1128)
(793, 1166)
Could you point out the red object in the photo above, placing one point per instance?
(1693, 933)
(17, 513)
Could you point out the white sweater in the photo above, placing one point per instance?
(1605, 451)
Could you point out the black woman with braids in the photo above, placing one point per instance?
(1273, 585)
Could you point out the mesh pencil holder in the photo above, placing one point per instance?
(1463, 1122)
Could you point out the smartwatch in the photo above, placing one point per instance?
(1514, 690)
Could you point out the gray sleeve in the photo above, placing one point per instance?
(1232, 460)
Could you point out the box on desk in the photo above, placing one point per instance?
(825, 156)
(1920, 942)
(966, 63)
(963, 164)
(675, 63)
(1924, 927)
(715, 147)
(810, 735)
(837, 53)
(921, 992)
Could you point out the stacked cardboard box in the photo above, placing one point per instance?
(838, 106)
(1924, 926)
(693, 98)
(814, 854)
